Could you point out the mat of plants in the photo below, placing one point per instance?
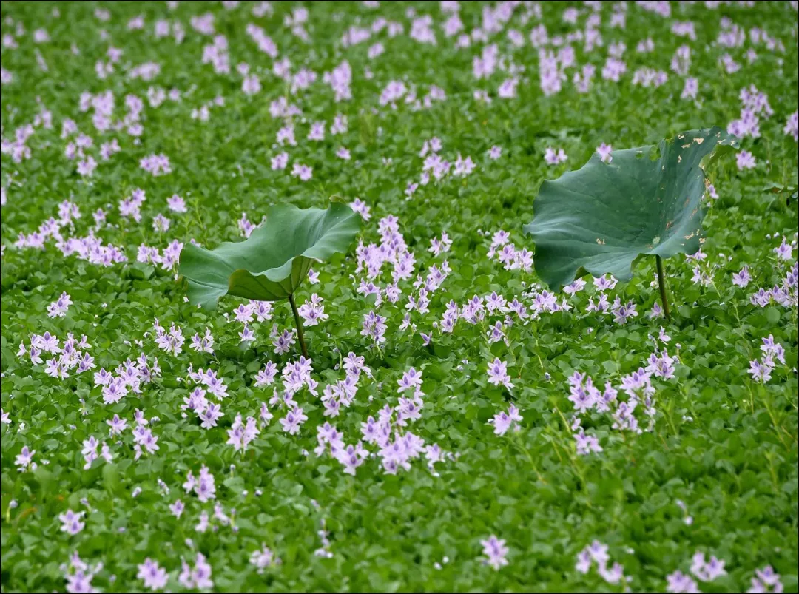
(399, 297)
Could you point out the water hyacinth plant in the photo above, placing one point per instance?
(462, 426)
(271, 263)
(622, 204)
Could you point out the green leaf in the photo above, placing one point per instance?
(111, 477)
(603, 216)
(44, 478)
(274, 260)
(773, 315)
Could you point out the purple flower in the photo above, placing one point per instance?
(792, 125)
(176, 204)
(772, 348)
(784, 252)
(768, 577)
(498, 374)
(374, 327)
(745, 160)
(411, 379)
(495, 552)
(503, 421)
(302, 171)
(604, 150)
(210, 415)
(24, 459)
(71, 522)
(154, 577)
(554, 157)
(199, 578)
(679, 582)
(761, 372)
(622, 313)
(263, 558)
(293, 420)
(586, 443)
(706, 571)
(177, 508)
(741, 278)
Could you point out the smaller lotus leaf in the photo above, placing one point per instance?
(274, 260)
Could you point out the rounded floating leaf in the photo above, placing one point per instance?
(646, 200)
(274, 260)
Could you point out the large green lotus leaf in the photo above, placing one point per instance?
(274, 260)
(647, 200)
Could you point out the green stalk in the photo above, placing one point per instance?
(662, 285)
(298, 322)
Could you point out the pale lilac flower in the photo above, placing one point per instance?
(293, 420)
(266, 376)
(463, 167)
(90, 451)
(283, 342)
(586, 443)
(495, 552)
(199, 578)
(554, 157)
(176, 204)
(766, 580)
(604, 150)
(706, 570)
(210, 415)
(792, 125)
(498, 374)
(71, 523)
(117, 425)
(262, 310)
(24, 459)
(374, 327)
(772, 348)
(58, 309)
(160, 223)
(745, 160)
(263, 558)
(741, 278)
(784, 252)
(177, 508)
(679, 582)
(301, 171)
(623, 312)
(251, 85)
(280, 161)
(690, 89)
(503, 421)
(154, 576)
(761, 371)
(156, 165)
(361, 208)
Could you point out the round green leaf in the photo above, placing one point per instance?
(603, 216)
(274, 260)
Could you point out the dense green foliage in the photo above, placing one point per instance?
(714, 467)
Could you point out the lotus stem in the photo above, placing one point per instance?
(298, 322)
(662, 285)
